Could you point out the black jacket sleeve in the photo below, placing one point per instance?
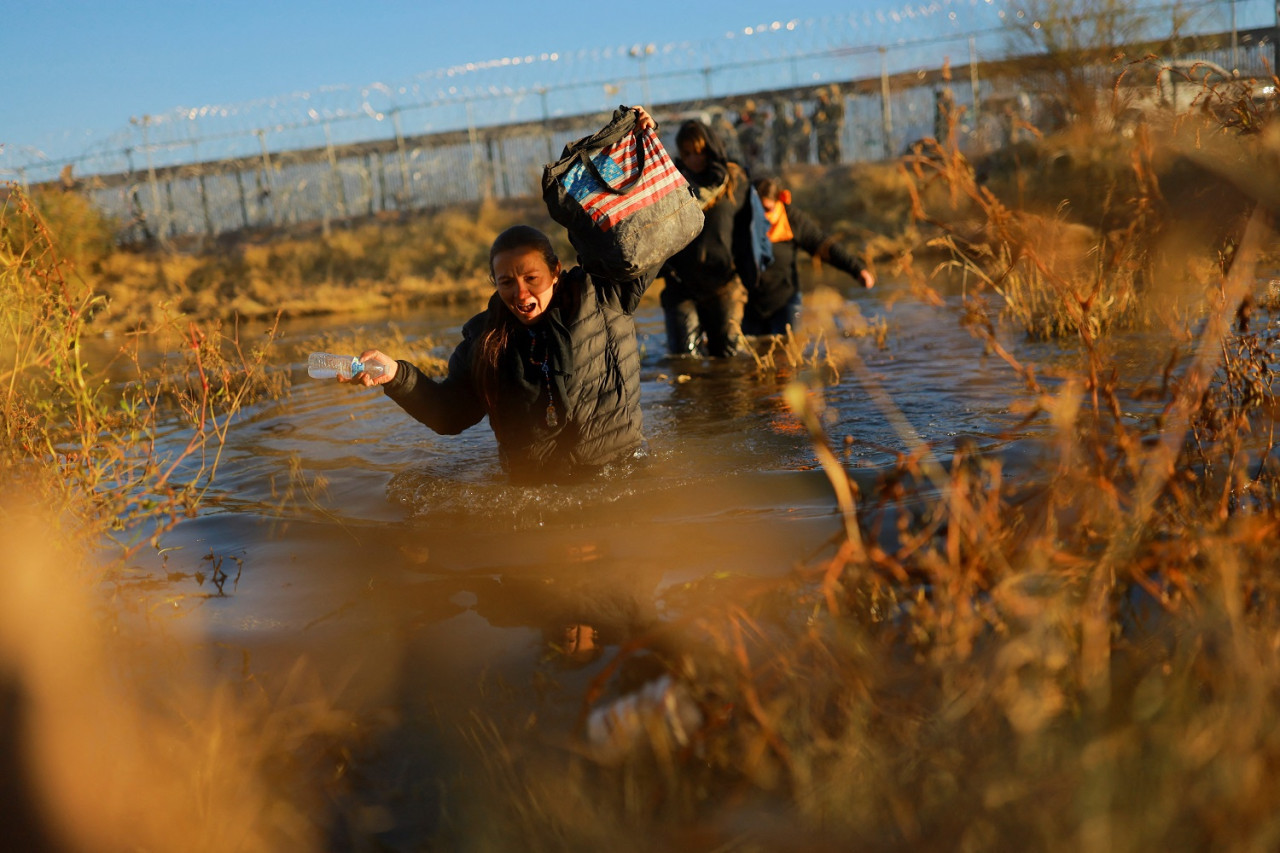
(810, 237)
(447, 406)
(745, 254)
(624, 296)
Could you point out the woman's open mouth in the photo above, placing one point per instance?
(526, 308)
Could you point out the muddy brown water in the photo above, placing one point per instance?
(418, 580)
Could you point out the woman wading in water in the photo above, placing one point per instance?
(553, 362)
(703, 292)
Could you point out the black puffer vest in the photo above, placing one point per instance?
(587, 341)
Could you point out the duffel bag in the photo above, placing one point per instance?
(625, 204)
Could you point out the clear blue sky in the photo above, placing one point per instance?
(75, 71)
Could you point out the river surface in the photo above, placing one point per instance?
(412, 577)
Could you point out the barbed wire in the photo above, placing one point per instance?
(572, 82)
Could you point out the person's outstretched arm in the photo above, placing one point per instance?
(625, 295)
(447, 406)
(810, 237)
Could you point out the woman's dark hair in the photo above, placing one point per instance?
(523, 237)
(697, 135)
(500, 322)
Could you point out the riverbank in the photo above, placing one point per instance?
(415, 258)
(1067, 206)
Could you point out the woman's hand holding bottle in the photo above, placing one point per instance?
(367, 377)
(369, 368)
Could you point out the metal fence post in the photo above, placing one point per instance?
(403, 195)
(369, 185)
(265, 192)
(493, 150)
(199, 173)
(886, 108)
(204, 204)
(335, 177)
(244, 204)
(163, 230)
(973, 79)
(477, 169)
(172, 225)
(546, 126)
(382, 182)
(1235, 40)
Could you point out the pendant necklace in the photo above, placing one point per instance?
(545, 364)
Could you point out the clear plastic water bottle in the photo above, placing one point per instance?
(323, 365)
(663, 710)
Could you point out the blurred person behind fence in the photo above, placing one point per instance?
(828, 124)
(750, 129)
(780, 131)
(801, 135)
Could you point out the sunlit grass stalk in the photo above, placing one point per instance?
(90, 447)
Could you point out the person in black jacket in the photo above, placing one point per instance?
(773, 304)
(553, 362)
(704, 291)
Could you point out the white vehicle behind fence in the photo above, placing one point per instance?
(1160, 93)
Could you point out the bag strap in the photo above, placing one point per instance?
(623, 123)
(620, 124)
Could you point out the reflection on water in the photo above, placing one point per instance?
(415, 578)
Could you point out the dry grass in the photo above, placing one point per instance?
(71, 434)
(1086, 231)
(125, 743)
(436, 257)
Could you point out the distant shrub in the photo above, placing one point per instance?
(82, 234)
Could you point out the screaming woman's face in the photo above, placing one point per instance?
(525, 282)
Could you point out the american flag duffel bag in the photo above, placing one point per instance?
(625, 204)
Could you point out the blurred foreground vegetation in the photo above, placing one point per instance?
(1083, 658)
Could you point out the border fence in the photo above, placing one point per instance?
(484, 131)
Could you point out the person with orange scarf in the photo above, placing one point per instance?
(773, 303)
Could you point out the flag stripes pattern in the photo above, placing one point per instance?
(617, 164)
